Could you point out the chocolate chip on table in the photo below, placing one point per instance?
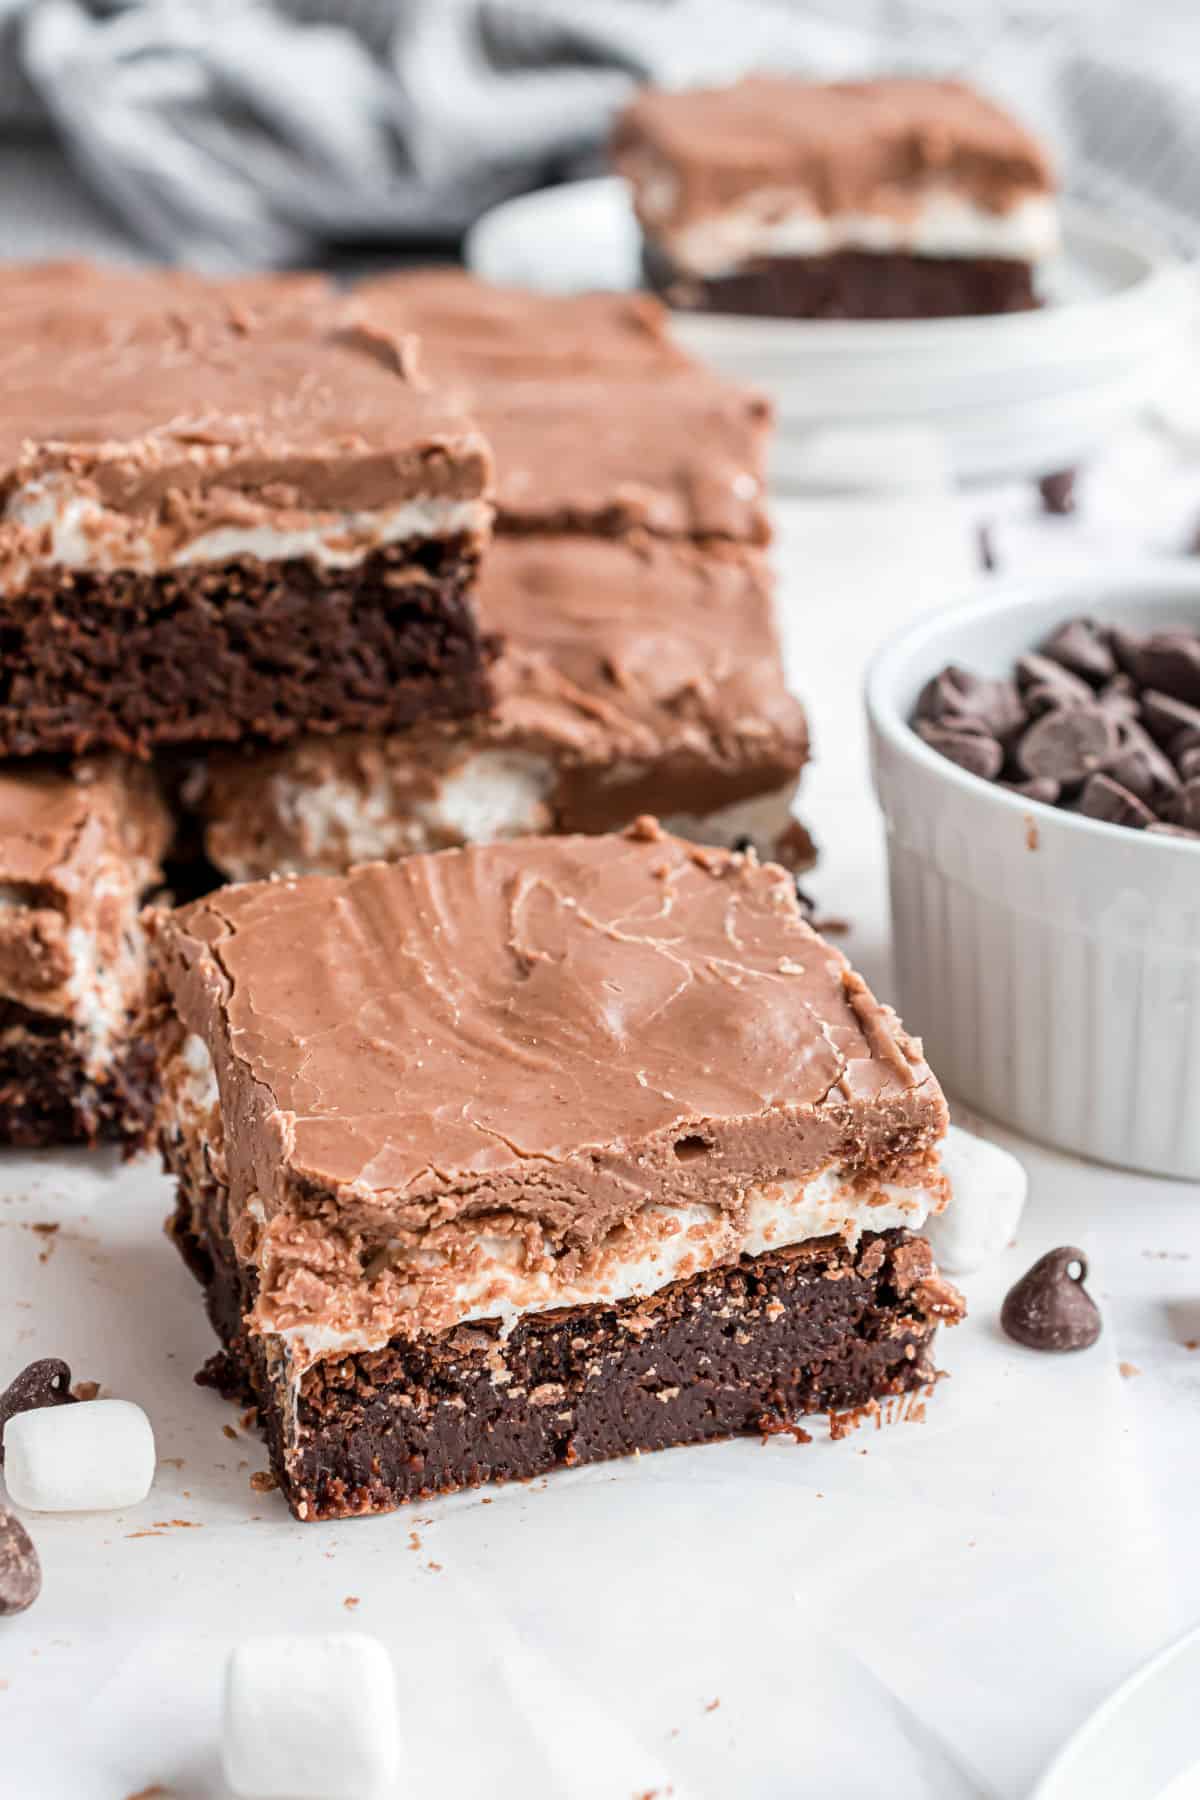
(44, 1383)
(1104, 798)
(1058, 492)
(971, 750)
(1069, 743)
(1080, 647)
(1050, 1308)
(20, 1570)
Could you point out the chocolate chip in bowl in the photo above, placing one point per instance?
(1101, 720)
(1036, 753)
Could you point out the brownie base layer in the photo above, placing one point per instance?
(212, 653)
(48, 1096)
(742, 1350)
(853, 284)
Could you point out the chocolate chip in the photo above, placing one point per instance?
(1141, 767)
(986, 547)
(1184, 808)
(1103, 798)
(1079, 647)
(44, 1383)
(1049, 1308)
(20, 1570)
(1053, 685)
(1170, 662)
(972, 751)
(969, 702)
(1067, 745)
(1119, 698)
(1040, 788)
(1188, 761)
(1165, 717)
(1058, 492)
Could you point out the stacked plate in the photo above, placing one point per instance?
(1011, 395)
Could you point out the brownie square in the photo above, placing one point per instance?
(639, 675)
(464, 1142)
(892, 198)
(599, 423)
(79, 851)
(218, 527)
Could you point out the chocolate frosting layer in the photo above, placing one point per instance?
(843, 146)
(598, 422)
(78, 849)
(465, 324)
(202, 425)
(97, 303)
(647, 673)
(557, 1030)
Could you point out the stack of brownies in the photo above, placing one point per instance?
(510, 1129)
(229, 513)
(626, 583)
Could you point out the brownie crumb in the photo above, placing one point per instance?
(263, 1482)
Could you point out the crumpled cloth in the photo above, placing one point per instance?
(239, 133)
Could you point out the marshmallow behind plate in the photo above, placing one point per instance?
(989, 1187)
(310, 1718)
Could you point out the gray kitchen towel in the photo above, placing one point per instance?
(233, 133)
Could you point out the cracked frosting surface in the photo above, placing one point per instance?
(549, 1034)
(847, 147)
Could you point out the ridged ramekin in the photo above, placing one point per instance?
(1051, 963)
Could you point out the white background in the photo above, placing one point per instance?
(924, 1610)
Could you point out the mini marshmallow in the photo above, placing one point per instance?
(90, 1457)
(310, 1718)
(988, 1194)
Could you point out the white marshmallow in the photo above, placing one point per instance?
(310, 1718)
(91, 1457)
(988, 1194)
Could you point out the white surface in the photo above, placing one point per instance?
(310, 1718)
(1141, 1744)
(96, 1456)
(942, 1601)
(1019, 393)
(989, 1188)
(1053, 961)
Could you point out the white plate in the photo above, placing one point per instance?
(1012, 394)
(1143, 1743)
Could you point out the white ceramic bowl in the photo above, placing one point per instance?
(1050, 962)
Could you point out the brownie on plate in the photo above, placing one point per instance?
(638, 676)
(898, 198)
(510, 1158)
